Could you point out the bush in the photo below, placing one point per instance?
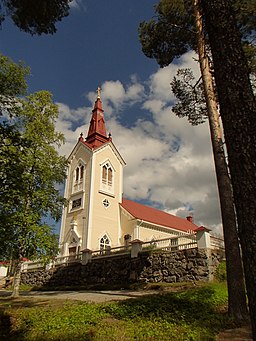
(221, 272)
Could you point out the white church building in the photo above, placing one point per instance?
(98, 216)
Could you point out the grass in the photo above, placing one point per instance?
(193, 314)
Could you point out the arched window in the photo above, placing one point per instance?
(110, 176)
(77, 174)
(104, 174)
(105, 243)
(78, 178)
(81, 172)
(107, 178)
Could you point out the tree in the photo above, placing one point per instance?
(35, 17)
(31, 169)
(12, 83)
(178, 29)
(190, 95)
(238, 112)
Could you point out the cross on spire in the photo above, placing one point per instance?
(98, 92)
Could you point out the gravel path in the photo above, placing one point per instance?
(89, 296)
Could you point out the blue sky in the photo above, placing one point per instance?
(169, 163)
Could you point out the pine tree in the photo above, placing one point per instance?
(35, 17)
(238, 112)
(178, 29)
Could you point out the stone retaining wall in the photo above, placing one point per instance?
(158, 266)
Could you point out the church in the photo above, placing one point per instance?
(98, 216)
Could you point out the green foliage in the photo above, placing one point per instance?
(189, 315)
(31, 169)
(12, 83)
(172, 32)
(35, 17)
(221, 272)
(190, 95)
(12, 77)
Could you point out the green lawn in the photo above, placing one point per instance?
(194, 314)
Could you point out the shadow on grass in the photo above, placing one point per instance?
(199, 306)
(195, 308)
(8, 334)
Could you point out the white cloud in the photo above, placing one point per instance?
(159, 82)
(168, 161)
(78, 4)
(116, 96)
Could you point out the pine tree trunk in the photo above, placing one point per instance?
(238, 112)
(237, 306)
(16, 281)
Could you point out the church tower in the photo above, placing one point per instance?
(94, 188)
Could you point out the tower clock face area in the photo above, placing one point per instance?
(76, 203)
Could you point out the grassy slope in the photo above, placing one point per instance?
(194, 314)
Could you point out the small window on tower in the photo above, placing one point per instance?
(81, 172)
(110, 176)
(107, 176)
(78, 178)
(106, 203)
(77, 174)
(104, 174)
(76, 203)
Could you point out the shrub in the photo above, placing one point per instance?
(221, 272)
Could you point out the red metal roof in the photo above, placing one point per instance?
(152, 215)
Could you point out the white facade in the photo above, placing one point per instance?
(96, 217)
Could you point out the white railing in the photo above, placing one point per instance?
(76, 258)
(171, 244)
(32, 266)
(217, 242)
(111, 251)
(184, 241)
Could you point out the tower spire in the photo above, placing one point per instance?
(97, 130)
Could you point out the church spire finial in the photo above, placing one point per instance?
(97, 131)
(98, 92)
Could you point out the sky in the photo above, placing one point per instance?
(169, 163)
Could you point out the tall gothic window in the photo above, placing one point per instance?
(77, 173)
(78, 178)
(81, 172)
(107, 178)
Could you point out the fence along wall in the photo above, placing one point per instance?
(149, 266)
(202, 239)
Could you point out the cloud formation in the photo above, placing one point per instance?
(169, 162)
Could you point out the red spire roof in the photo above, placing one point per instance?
(97, 131)
(152, 215)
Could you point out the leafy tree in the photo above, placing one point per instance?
(238, 112)
(35, 17)
(12, 83)
(31, 169)
(178, 29)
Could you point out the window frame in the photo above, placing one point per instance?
(103, 245)
(107, 178)
(78, 177)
